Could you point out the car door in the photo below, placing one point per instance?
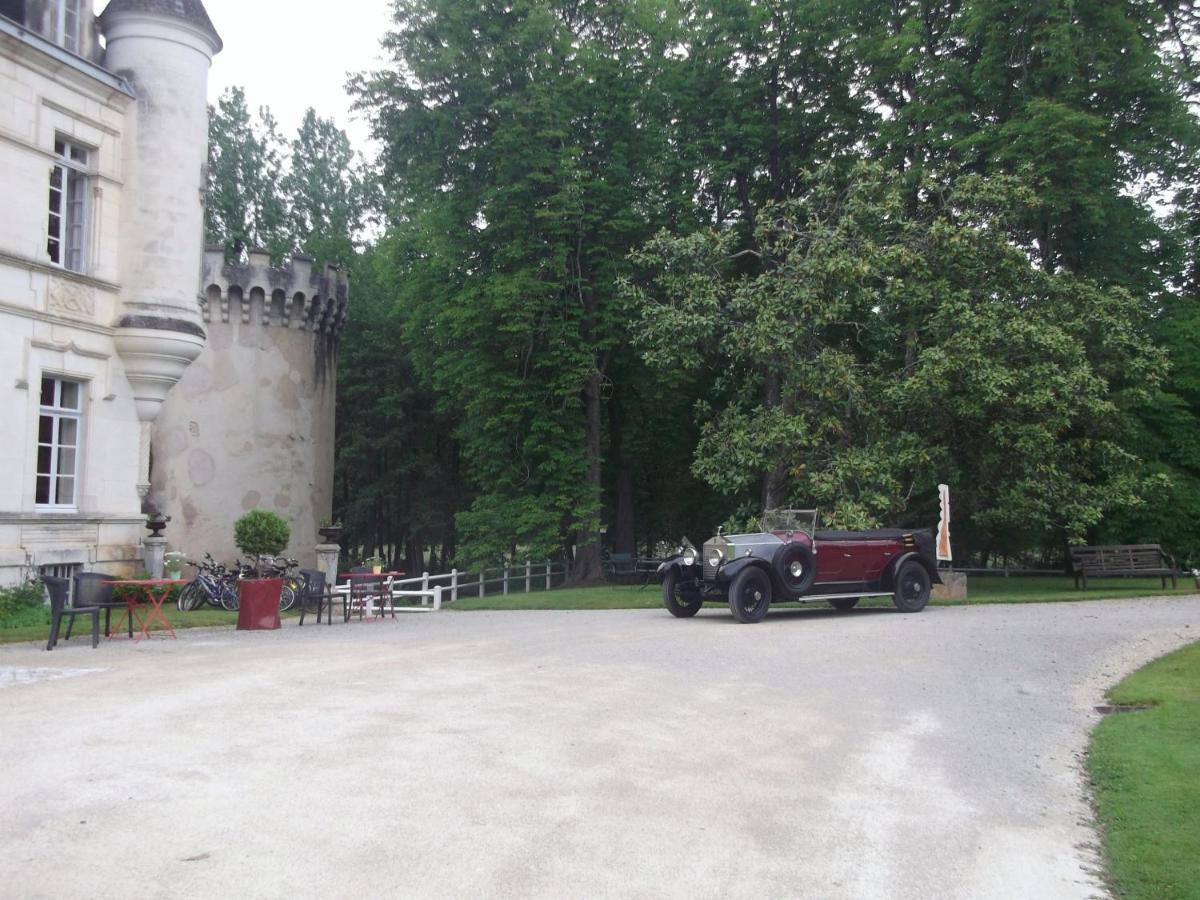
(832, 557)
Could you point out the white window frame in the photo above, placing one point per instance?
(57, 414)
(69, 205)
(68, 17)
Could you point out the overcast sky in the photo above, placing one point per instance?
(290, 56)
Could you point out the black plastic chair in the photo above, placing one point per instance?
(57, 590)
(314, 589)
(91, 590)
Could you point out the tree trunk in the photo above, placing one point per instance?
(775, 478)
(623, 535)
(414, 558)
(587, 565)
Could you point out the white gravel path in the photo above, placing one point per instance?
(572, 754)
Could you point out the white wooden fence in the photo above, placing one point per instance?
(448, 587)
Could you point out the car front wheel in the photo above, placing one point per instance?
(750, 595)
(677, 605)
(912, 587)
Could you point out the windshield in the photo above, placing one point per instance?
(789, 520)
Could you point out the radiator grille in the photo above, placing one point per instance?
(710, 571)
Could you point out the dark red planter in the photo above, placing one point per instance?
(258, 603)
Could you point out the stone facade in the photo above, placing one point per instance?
(98, 286)
(188, 387)
(251, 423)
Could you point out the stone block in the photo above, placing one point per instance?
(953, 586)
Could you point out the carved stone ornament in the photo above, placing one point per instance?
(72, 298)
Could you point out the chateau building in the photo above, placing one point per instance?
(107, 302)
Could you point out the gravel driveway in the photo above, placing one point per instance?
(585, 754)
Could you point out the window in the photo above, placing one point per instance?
(59, 431)
(67, 229)
(65, 24)
(63, 570)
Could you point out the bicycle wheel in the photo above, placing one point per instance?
(191, 597)
(287, 596)
(229, 596)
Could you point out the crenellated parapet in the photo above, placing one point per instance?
(290, 296)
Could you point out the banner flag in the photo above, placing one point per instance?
(943, 532)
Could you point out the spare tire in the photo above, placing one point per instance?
(796, 568)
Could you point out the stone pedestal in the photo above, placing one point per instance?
(327, 562)
(153, 551)
(953, 586)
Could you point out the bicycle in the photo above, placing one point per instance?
(213, 584)
(293, 583)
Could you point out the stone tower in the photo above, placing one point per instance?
(163, 49)
(251, 424)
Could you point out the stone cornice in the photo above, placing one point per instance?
(37, 265)
(54, 62)
(66, 518)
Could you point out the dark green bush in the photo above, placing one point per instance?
(17, 601)
(261, 533)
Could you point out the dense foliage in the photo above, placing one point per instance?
(864, 246)
(878, 347)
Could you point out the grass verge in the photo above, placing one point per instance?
(988, 589)
(34, 625)
(1145, 770)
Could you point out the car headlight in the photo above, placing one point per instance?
(715, 558)
(689, 556)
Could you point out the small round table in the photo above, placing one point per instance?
(152, 593)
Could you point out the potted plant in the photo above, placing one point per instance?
(331, 532)
(375, 562)
(173, 564)
(156, 522)
(260, 533)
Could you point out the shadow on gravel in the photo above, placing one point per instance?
(714, 614)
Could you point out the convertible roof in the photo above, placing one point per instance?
(876, 534)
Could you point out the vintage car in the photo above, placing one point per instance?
(790, 560)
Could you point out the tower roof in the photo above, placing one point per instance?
(189, 11)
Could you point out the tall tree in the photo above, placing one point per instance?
(522, 145)
(245, 205)
(909, 345)
(329, 191)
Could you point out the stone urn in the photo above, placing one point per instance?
(156, 523)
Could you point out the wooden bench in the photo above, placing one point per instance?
(1122, 560)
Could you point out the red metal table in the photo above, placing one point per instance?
(367, 594)
(152, 593)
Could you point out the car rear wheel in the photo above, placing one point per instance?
(677, 605)
(750, 595)
(912, 587)
(844, 603)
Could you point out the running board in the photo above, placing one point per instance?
(807, 597)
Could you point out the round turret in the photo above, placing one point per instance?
(163, 48)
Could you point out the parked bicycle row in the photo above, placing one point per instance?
(216, 585)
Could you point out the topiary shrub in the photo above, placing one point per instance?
(261, 533)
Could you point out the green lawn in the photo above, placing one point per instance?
(983, 589)
(34, 625)
(1145, 768)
